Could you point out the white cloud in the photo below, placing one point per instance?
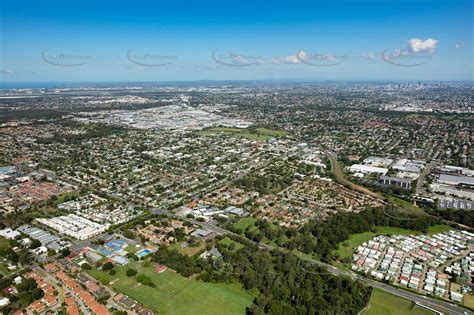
(239, 59)
(7, 71)
(419, 46)
(459, 45)
(291, 59)
(319, 58)
(246, 60)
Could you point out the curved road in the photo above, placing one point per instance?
(336, 168)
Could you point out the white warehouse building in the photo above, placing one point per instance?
(360, 168)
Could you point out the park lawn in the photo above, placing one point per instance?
(4, 243)
(359, 238)
(390, 230)
(227, 241)
(440, 228)
(190, 251)
(385, 303)
(175, 294)
(413, 209)
(353, 241)
(245, 222)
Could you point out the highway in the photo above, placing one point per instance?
(439, 305)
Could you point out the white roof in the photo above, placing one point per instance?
(367, 169)
(9, 233)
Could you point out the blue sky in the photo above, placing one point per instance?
(235, 40)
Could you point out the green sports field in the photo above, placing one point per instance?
(175, 294)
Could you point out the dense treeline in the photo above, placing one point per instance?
(286, 285)
(322, 237)
(183, 264)
(38, 113)
(265, 184)
(94, 131)
(283, 283)
(275, 178)
(464, 217)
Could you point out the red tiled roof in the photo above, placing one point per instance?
(73, 309)
(50, 300)
(99, 309)
(86, 296)
(118, 296)
(37, 306)
(69, 300)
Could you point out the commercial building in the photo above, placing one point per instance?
(377, 161)
(365, 169)
(405, 183)
(75, 226)
(456, 180)
(9, 234)
(453, 191)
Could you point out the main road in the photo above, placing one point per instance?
(424, 301)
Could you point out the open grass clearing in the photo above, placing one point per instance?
(175, 294)
(388, 304)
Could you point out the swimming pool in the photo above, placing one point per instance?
(143, 252)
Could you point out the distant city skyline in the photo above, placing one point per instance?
(87, 41)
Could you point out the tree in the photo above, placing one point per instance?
(86, 266)
(35, 244)
(129, 234)
(145, 280)
(131, 272)
(65, 252)
(27, 284)
(108, 266)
